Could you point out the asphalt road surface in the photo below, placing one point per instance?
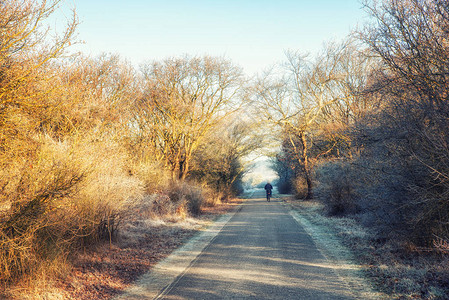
(261, 253)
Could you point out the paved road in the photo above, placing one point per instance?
(261, 253)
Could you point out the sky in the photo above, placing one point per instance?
(254, 34)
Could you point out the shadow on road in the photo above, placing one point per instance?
(261, 253)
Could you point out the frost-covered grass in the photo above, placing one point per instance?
(330, 245)
(396, 271)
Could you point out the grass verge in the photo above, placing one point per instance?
(397, 271)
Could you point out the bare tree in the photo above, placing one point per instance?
(99, 94)
(25, 48)
(25, 54)
(185, 99)
(219, 161)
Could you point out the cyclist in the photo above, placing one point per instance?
(268, 188)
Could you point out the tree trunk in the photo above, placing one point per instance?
(184, 168)
(307, 171)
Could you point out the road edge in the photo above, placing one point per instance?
(154, 283)
(338, 255)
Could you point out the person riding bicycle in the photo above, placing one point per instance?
(268, 188)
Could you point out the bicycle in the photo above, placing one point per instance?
(268, 195)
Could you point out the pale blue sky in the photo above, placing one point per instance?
(253, 34)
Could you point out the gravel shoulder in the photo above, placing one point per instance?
(325, 236)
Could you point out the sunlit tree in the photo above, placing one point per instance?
(185, 98)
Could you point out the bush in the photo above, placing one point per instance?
(212, 197)
(192, 195)
(336, 187)
(300, 187)
(176, 202)
(157, 207)
(68, 196)
(153, 176)
(108, 187)
(284, 187)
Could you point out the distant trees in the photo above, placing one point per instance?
(218, 161)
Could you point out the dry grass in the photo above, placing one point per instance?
(214, 198)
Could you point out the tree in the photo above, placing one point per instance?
(86, 95)
(184, 99)
(25, 54)
(25, 50)
(219, 160)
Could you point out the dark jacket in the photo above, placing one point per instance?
(268, 187)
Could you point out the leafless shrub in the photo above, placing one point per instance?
(180, 192)
(300, 188)
(68, 197)
(441, 245)
(36, 201)
(154, 177)
(158, 206)
(212, 197)
(337, 187)
(178, 201)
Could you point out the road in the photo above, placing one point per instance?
(261, 253)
